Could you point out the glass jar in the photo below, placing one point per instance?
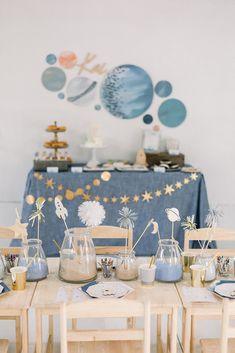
(208, 261)
(32, 256)
(2, 267)
(77, 257)
(126, 268)
(168, 261)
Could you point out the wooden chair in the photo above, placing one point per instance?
(7, 233)
(203, 234)
(226, 343)
(110, 232)
(4, 346)
(218, 235)
(105, 341)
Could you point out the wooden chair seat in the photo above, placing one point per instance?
(4, 346)
(212, 345)
(106, 347)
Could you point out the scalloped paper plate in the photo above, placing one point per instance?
(226, 290)
(109, 290)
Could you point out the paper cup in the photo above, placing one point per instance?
(198, 274)
(18, 276)
(188, 259)
(147, 275)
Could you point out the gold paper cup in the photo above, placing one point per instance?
(188, 259)
(198, 274)
(18, 276)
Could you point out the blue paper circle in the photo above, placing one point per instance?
(148, 119)
(53, 79)
(172, 112)
(51, 59)
(127, 91)
(61, 95)
(163, 89)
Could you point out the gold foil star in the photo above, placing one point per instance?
(50, 183)
(147, 196)
(178, 185)
(96, 182)
(186, 180)
(105, 199)
(88, 187)
(60, 187)
(125, 199)
(79, 192)
(158, 193)
(97, 198)
(136, 198)
(168, 189)
(30, 199)
(86, 197)
(194, 176)
(114, 199)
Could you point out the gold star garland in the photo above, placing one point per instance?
(146, 196)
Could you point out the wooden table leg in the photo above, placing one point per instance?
(168, 336)
(50, 341)
(187, 330)
(193, 334)
(159, 334)
(18, 335)
(38, 331)
(25, 331)
(173, 338)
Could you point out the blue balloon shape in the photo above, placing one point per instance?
(163, 89)
(172, 112)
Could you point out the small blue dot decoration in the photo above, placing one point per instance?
(51, 59)
(163, 89)
(61, 95)
(148, 119)
(172, 112)
(97, 107)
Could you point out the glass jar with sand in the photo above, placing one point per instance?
(77, 257)
(168, 261)
(126, 268)
(32, 256)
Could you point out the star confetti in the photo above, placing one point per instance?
(50, 183)
(186, 180)
(147, 196)
(194, 176)
(178, 185)
(114, 199)
(169, 189)
(105, 199)
(88, 187)
(125, 199)
(60, 187)
(86, 197)
(97, 198)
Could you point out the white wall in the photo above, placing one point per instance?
(189, 43)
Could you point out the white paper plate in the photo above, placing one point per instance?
(226, 290)
(108, 290)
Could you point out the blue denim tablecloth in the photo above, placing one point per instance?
(188, 194)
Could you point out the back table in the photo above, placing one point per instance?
(146, 193)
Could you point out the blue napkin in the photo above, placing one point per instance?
(86, 286)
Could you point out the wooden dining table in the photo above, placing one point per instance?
(164, 300)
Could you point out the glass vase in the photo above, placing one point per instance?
(77, 257)
(32, 256)
(208, 261)
(126, 268)
(168, 261)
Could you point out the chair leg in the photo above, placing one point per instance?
(193, 334)
(18, 335)
(173, 339)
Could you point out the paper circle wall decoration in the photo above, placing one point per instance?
(163, 89)
(81, 90)
(172, 112)
(51, 59)
(127, 91)
(148, 119)
(68, 59)
(53, 79)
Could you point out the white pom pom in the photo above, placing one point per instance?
(91, 213)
